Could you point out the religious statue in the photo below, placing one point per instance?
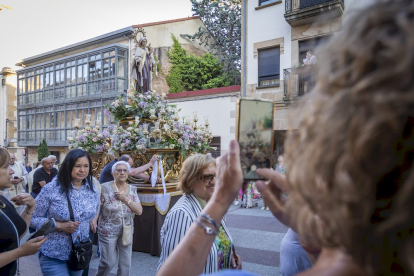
(143, 65)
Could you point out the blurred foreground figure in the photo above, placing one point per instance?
(349, 186)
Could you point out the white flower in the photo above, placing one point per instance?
(130, 129)
(123, 145)
(115, 104)
(139, 147)
(141, 96)
(163, 95)
(186, 147)
(199, 145)
(100, 136)
(149, 97)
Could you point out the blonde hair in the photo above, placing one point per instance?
(192, 169)
(351, 161)
(4, 158)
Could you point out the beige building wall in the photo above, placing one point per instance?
(8, 112)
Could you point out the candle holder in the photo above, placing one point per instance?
(206, 123)
(76, 124)
(152, 116)
(98, 124)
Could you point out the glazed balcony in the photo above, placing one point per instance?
(301, 12)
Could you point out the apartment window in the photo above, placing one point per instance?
(269, 66)
(265, 2)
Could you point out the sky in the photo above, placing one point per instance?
(33, 27)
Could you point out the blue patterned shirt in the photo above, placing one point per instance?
(52, 203)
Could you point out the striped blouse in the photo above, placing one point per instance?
(178, 220)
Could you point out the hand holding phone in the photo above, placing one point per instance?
(46, 228)
(255, 136)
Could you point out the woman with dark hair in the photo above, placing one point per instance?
(74, 183)
(13, 225)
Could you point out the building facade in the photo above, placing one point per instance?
(8, 113)
(56, 87)
(276, 38)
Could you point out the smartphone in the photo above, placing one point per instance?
(254, 132)
(46, 228)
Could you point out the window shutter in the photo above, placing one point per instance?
(269, 62)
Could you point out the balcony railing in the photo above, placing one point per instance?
(300, 12)
(298, 81)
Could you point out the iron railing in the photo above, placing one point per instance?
(295, 5)
(298, 81)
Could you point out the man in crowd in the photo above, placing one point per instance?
(19, 181)
(43, 175)
(106, 174)
(54, 160)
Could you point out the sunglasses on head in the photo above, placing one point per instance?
(207, 178)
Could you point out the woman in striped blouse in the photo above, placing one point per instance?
(197, 181)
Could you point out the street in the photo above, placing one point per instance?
(255, 232)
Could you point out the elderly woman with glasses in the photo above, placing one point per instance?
(119, 205)
(197, 182)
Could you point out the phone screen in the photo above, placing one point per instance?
(255, 136)
(46, 228)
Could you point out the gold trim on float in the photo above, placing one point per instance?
(156, 206)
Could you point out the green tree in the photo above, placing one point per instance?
(189, 72)
(42, 150)
(222, 32)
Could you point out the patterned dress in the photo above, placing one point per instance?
(110, 221)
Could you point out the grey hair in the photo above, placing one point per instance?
(52, 156)
(120, 163)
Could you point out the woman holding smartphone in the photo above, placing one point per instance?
(197, 182)
(13, 225)
(74, 184)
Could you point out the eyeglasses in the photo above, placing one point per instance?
(121, 170)
(207, 178)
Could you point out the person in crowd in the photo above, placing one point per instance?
(106, 174)
(74, 183)
(19, 181)
(197, 182)
(293, 258)
(38, 164)
(53, 160)
(349, 187)
(119, 203)
(28, 168)
(14, 226)
(43, 175)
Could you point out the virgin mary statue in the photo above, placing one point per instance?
(143, 65)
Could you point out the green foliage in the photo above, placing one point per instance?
(42, 150)
(222, 32)
(189, 72)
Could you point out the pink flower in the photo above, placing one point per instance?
(186, 147)
(180, 141)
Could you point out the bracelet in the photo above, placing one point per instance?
(207, 218)
(129, 201)
(208, 229)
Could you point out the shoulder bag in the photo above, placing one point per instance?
(81, 253)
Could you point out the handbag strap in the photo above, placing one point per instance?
(72, 217)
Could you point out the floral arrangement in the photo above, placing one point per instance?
(138, 104)
(129, 139)
(171, 132)
(92, 140)
(189, 140)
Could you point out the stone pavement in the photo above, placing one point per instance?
(255, 232)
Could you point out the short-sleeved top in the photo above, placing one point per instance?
(106, 174)
(42, 175)
(8, 238)
(110, 221)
